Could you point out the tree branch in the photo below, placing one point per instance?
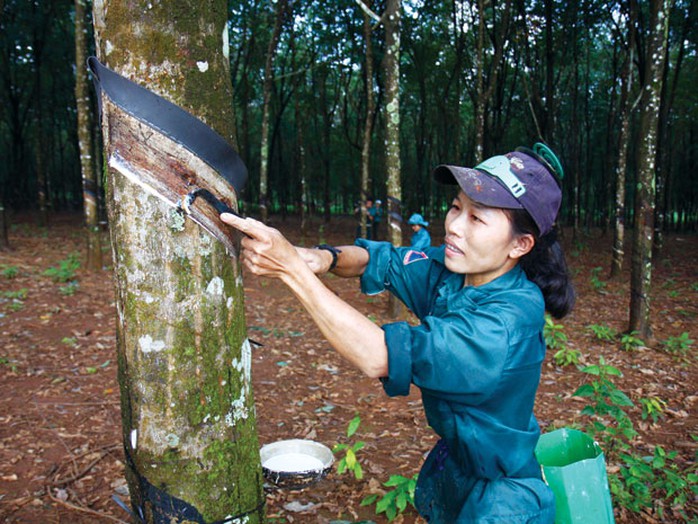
(369, 12)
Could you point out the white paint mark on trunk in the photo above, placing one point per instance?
(148, 345)
(215, 287)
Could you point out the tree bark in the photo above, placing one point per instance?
(189, 429)
(40, 11)
(486, 89)
(625, 111)
(266, 108)
(392, 131)
(368, 124)
(90, 189)
(4, 237)
(643, 233)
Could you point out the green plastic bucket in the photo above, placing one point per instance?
(575, 469)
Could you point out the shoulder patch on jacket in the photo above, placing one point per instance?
(414, 256)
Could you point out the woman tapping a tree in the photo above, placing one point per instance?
(476, 355)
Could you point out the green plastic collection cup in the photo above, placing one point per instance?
(575, 469)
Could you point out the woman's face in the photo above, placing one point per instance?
(480, 242)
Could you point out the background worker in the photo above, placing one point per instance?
(421, 239)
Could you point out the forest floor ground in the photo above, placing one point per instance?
(61, 457)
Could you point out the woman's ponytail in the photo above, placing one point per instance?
(545, 266)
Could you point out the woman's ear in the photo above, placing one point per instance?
(522, 245)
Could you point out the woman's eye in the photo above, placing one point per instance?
(475, 218)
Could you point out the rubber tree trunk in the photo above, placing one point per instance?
(188, 419)
(266, 110)
(643, 233)
(90, 190)
(392, 130)
(4, 238)
(625, 111)
(368, 125)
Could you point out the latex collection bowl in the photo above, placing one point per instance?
(295, 463)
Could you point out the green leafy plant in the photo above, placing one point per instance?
(578, 248)
(556, 339)
(653, 482)
(567, 357)
(69, 341)
(553, 333)
(680, 345)
(20, 294)
(4, 361)
(642, 482)
(69, 289)
(65, 271)
(630, 341)
(350, 462)
(396, 500)
(603, 332)
(652, 407)
(596, 282)
(609, 420)
(15, 305)
(9, 271)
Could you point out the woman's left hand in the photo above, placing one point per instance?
(265, 251)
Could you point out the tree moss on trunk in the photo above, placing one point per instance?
(188, 414)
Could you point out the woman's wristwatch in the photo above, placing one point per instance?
(335, 252)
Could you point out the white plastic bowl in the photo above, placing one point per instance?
(295, 463)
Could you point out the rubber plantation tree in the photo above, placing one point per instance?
(90, 189)
(643, 232)
(391, 70)
(281, 9)
(188, 419)
(625, 110)
(370, 110)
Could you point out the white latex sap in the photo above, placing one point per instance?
(292, 462)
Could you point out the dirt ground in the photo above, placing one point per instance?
(61, 458)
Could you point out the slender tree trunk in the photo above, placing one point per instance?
(189, 429)
(574, 128)
(4, 238)
(641, 277)
(266, 109)
(625, 111)
(392, 130)
(485, 90)
(368, 124)
(479, 101)
(90, 189)
(549, 121)
(300, 145)
(39, 142)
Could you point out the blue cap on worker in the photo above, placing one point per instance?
(527, 179)
(417, 220)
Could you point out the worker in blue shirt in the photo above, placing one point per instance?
(476, 356)
(421, 239)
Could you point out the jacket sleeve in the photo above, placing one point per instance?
(459, 357)
(408, 274)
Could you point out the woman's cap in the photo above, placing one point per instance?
(417, 220)
(523, 179)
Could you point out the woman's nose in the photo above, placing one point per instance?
(458, 225)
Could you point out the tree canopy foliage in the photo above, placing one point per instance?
(550, 71)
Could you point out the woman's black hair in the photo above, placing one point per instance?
(545, 265)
